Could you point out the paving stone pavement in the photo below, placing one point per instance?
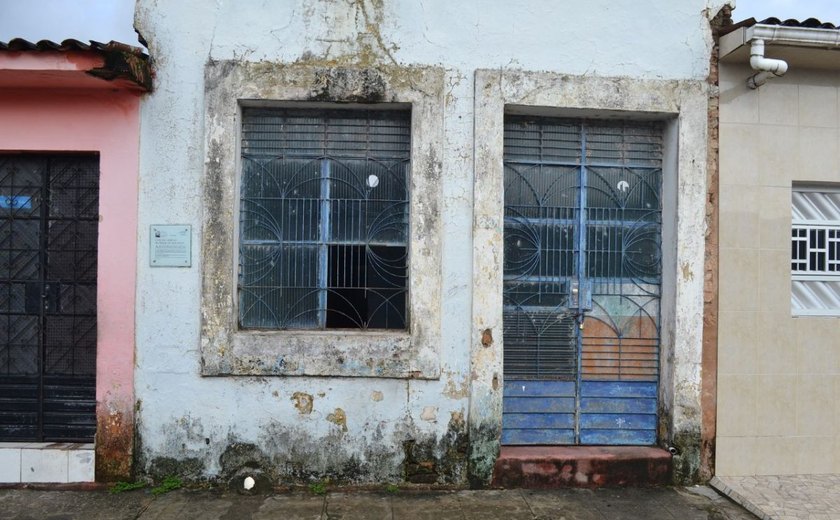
(788, 497)
(697, 503)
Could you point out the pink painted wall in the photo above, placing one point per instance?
(104, 121)
(50, 61)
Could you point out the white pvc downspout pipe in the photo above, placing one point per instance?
(767, 67)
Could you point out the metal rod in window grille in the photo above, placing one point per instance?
(582, 193)
(323, 253)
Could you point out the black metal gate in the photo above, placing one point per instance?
(49, 218)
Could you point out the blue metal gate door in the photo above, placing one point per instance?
(581, 281)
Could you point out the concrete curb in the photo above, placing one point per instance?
(738, 498)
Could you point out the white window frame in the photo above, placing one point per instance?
(804, 279)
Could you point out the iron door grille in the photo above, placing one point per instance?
(542, 191)
(623, 222)
(324, 208)
(582, 278)
(49, 217)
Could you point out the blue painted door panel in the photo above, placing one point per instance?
(550, 436)
(538, 412)
(617, 421)
(616, 413)
(618, 389)
(538, 405)
(617, 405)
(618, 437)
(539, 388)
(610, 413)
(538, 420)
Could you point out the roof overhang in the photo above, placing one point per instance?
(73, 64)
(803, 47)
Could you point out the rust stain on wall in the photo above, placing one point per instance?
(303, 402)
(429, 413)
(687, 273)
(114, 445)
(453, 391)
(339, 418)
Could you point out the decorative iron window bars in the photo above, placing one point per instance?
(324, 213)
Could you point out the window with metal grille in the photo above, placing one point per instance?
(323, 232)
(815, 251)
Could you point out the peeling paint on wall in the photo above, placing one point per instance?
(339, 418)
(303, 402)
(459, 391)
(114, 443)
(429, 413)
(370, 51)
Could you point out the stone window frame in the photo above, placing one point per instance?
(228, 350)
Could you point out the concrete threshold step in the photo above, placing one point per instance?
(543, 467)
(46, 462)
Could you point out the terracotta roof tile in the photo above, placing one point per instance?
(122, 61)
(792, 22)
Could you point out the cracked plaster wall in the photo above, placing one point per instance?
(356, 429)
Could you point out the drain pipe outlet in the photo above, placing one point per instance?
(767, 67)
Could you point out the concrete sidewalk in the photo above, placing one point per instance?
(697, 503)
(785, 497)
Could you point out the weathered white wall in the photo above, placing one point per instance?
(184, 416)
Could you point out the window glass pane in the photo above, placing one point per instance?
(541, 191)
(539, 249)
(366, 287)
(280, 200)
(525, 294)
(627, 145)
(369, 201)
(541, 141)
(624, 251)
(278, 285)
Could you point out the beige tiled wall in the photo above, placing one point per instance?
(778, 375)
